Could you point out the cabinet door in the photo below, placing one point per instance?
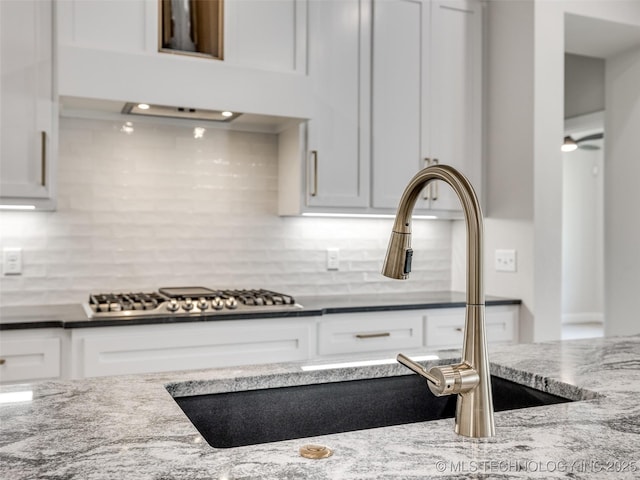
(399, 135)
(454, 96)
(445, 328)
(425, 96)
(162, 348)
(369, 332)
(27, 137)
(29, 355)
(337, 160)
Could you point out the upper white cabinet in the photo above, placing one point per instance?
(111, 50)
(324, 162)
(397, 87)
(28, 123)
(338, 132)
(426, 96)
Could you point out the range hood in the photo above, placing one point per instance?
(116, 110)
(179, 112)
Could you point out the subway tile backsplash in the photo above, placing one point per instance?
(158, 207)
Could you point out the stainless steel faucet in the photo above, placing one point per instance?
(469, 378)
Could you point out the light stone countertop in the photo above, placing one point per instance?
(129, 427)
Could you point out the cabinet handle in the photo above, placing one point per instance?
(2, 361)
(459, 329)
(427, 190)
(435, 183)
(43, 158)
(373, 335)
(314, 171)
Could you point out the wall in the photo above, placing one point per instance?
(524, 129)
(158, 207)
(583, 85)
(583, 235)
(509, 154)
(622, 171)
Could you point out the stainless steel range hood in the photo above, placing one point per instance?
(78, 107)
(179, 112)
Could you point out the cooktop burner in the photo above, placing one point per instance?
(186, 301)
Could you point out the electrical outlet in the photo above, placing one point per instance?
(506, 261)
(11, 261)
(333, 259)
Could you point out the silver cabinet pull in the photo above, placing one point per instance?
(43, 158)
(435, 194)
(313, 190)
(426, 192)
(373, 335)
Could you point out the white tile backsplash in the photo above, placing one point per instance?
(159, 208)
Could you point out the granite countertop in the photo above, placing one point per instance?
(74, 316)
(130, 427)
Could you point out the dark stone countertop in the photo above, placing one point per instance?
(74, 316)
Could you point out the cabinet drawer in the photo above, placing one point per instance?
(351, 333)
(162, 348)
(24, 359)
(446, 328)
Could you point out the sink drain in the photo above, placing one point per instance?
(315, 452)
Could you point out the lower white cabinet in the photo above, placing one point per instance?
(445, 328)
(187, 346)
(369, 332)
(404, 329)
(27, 355)
(38, 354)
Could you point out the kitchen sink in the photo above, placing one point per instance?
(251, 417)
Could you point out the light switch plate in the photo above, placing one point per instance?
(333, 258)
(506, 261)
(11, 261)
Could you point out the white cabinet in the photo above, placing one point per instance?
(28, 123)
(368, 332)
(426, 96)
(444, 328)
(187, 346)
(27, 355)
(338, 134)
(109, 50)
(398, 87)
(434, 329)
(324, 162)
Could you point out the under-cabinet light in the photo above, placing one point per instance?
(143, 106)
(16, 397)
(365, 215)
(17, 207)
(226, 113)
(362, 363)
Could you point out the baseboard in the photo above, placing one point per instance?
(585, 317)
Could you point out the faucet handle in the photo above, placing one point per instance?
(444, 379)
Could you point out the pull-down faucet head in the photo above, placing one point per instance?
(470, 378)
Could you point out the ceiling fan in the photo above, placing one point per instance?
(569, 144)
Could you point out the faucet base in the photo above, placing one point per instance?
(474, 410)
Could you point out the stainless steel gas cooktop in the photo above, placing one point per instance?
(186, 301)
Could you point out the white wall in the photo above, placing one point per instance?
(583, 235)
(160, 208)
(622, 205)
(583, 85)
(525, 126)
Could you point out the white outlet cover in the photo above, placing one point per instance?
(506, 261)
(333, 258)
(11, 261)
